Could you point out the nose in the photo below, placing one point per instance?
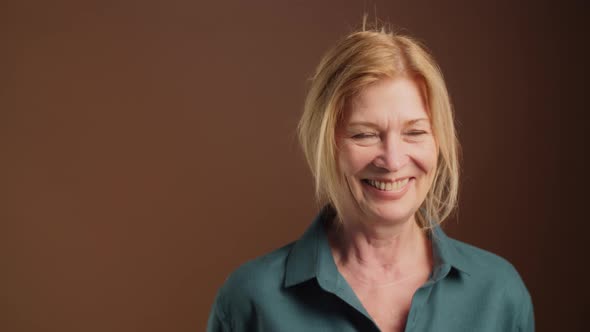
(393, 155)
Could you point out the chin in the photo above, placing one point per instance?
(396, 218)
(390, 215)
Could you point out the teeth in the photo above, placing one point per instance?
(389, 186)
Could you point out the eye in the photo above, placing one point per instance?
(416, 132)
(365, 136)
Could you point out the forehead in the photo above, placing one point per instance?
(398, 99)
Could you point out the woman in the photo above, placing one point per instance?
(379, 137)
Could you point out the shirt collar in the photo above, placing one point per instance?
(311, 257)
(446, 253)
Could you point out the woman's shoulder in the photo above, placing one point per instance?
(491, 271)
(494, 277)
(482, 261)
(257, 276)
(257, 280)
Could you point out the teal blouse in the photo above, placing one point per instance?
(299, 288)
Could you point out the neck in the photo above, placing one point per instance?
(379, 254)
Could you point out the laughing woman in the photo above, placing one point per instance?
(378, 134)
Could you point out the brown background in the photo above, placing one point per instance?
(148, 148)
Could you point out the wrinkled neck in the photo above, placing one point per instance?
(379, 253)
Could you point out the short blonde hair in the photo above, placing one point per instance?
(360, 59)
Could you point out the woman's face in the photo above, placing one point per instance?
(386, 151)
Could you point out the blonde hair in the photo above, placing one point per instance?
(360, 59)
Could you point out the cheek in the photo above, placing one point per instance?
(426, 158)
(353, 159)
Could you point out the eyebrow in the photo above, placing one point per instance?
(411, 122)
(372, 124)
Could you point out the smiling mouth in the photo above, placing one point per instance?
(387, 185)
